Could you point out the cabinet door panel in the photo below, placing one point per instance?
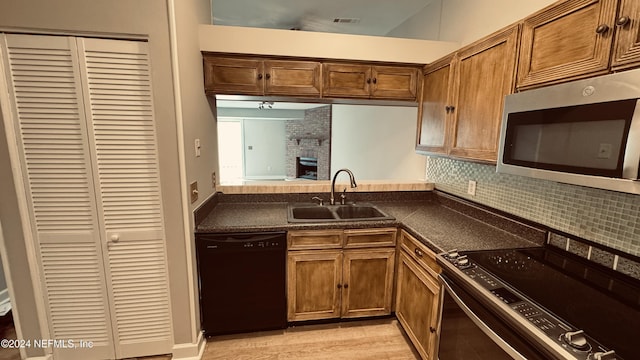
(420, 253)
(561, 42)
(368, 282)
(436, 100)
(626, 51)
(375, 237)
(391, 82)
(417, 304)
(120, 110)
(486, 74)
(233, 76)
(299, 78)
(43, 83)
(344, 80)
(315, 239)
(313, 278)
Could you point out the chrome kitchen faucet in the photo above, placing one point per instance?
(352, 179)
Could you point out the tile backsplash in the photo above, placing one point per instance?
(605, 217)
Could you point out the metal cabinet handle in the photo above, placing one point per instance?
(375, 81)
(418, 252)
(432, 329)
(259, 76)
(623, 20)
(369, 81)
(115, 238)
(267, 76)
(602, 28)
(339, 286)
(346, 286)
(449, 109)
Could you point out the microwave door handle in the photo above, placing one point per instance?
(484, 327)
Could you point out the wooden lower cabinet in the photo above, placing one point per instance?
(418, 299)
(367, 277)
(312, 284)
(335, 283)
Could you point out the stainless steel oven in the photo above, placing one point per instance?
(535, 303)
(470, 331)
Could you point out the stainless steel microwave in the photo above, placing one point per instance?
(585, 132)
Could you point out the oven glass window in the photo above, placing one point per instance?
(460, 338)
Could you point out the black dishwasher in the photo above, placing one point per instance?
(242, 281)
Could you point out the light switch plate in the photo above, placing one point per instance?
(197, 147)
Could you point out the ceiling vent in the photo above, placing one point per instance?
(346, 20)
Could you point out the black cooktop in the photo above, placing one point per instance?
(600, 301)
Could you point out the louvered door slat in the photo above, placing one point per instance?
(44, 84)
(117, 81)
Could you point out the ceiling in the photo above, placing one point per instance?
(359, 17)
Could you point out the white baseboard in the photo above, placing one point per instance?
(190, 351)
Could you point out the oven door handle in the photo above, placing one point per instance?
(484, 327)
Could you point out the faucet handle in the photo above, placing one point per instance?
(320, 201)
(343, 196)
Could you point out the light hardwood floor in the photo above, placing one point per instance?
(380, 339)
(370, 340)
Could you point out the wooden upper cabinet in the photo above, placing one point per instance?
(394, 82)
(247, 76)
(434, 109)
(485, 75)
(567, 41)
(233, 76)
(369, 82)
(346, 80)
(300, 78)
(626, 51)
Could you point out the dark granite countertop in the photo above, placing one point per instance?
(440, 221)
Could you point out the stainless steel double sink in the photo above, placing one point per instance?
(306, 212)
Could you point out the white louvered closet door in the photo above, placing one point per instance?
(83, 111)
(117, 83)
(44, 83)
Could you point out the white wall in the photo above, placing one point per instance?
(195, 120)
(357, 132)
(423, 25)
(465, 21)
(244, 40)
(265, 149)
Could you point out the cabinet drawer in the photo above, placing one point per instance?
(420, 253)
(314, 239)
(359, 238)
